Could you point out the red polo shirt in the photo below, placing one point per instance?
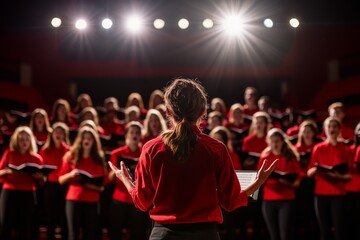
(187, 192)
(354, 184)
(254, 144)
(326, 154)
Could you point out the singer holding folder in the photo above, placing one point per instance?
(82, 198)
(184, 176)
(330, 193)
(17, 200)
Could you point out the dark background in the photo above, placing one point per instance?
(289, 65)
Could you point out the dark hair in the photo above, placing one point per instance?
(186, 102)
(307, 123)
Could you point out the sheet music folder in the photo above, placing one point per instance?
(32, 168)
(246, 177)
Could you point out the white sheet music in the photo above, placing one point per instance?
(246, 177)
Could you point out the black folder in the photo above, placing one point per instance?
(130, 163)
(290, 176)
(87, 177)
(341, 168)
(305, 158)
(32, 168)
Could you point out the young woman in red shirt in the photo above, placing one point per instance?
(82, 198)
(52, 153)
(17, 200)
(61, 112)
(306, 225)
(330, 194)
(123, 213)
(278, 204)
(184, 177)
(40, 125)
(154, 125)
(110, 122)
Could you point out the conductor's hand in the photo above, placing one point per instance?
(122, 174)
(263, 173)
(262, 176)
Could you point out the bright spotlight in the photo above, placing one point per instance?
(81, 24)
(208, 23)
(159, 23)
(294, 22)
(134, 24)
(107, 23)
(233, 24)
(183, 23)
(56, 22)
(268, 23)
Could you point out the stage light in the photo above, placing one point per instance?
(233, 24)
(183, 23)
(106, 23)
(56, 22)
(294, 22)
(268, 23)
(134, 24)
(81, 24)
(208, 23)
(159, 23)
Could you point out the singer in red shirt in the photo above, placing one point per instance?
(184, 176)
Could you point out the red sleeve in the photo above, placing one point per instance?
(357, 155)
(143, 192)
(4, 160)
(65, 167)
(314, 157)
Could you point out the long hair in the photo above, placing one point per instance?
(156, 93)
(60, 102)
(43, 113)
(157, 114)
(80, 98)
(93, 113)
(307, 123)
(225, 135)
(233, 108)
(96, 151)
(259, 114)
(49, 144)
(186, 102)
(288, 150)
(14, 140)
(133, 96)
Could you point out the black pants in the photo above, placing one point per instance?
(330, 212)
(353, 213)
(279, 218)
(192, 231)
(82, 215)
(54, 204)
(125, 215)
(16, 211)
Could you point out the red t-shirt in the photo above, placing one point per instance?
(235, 160)
(19, 182)
(254, 144)
(303, 149)
(76, 191)
(292, 131)
(41, 136)
(354, 184)
(326, 154)
(248, 111)
(187, 192)
(113, 128)
(120, 192)
(54, 156)
(273, 189)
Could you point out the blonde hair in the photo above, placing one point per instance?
(79, 99)
(288, 150)
(14, 140)
(56, 105)
(327, 122)
(96, 151)
(138, 97)
(259, 114)
(50, 141)
(154, 112)
(93, 112)
(43, 113)
(233, 108)
(154, 94)
(225, 135)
